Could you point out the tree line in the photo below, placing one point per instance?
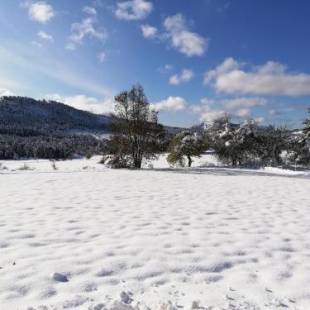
(49, 146)
(40, 129)
(138, 136)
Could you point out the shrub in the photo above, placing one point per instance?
(185, 145)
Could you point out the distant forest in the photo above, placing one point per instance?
(46, 129)
(32, 128)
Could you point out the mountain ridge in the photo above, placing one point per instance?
(42, 116)
(27, 116)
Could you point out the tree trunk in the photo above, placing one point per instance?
(190, 161)
(137, 165)
(137, 162)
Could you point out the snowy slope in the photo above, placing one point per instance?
(163, 239)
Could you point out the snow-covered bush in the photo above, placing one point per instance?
(250, 144)
(234, 144)
(271, 143)
(298, 150)
(185, 144)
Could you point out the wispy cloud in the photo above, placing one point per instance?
(89, 10)
(45, 36)
(165, 69)
(243, 102)
(86, 28)
(185, 76)
(102, 57)
(271, 78)
(60, 72)
(224, 7)
(36, 44)
(133, 9)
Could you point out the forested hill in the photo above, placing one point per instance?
(24, 116)
(32, 128)
(27, 116)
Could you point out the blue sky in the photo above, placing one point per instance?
(196, 59)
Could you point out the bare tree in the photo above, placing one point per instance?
(136, 132)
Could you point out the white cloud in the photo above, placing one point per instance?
(259, 120)
(271, 78)
(40, 11)
(89, 10)
(133, 9)
(85, 103)
(149, 32)
(241, 107)
(243, 113)
(165, 69)
(228, 65)
(6, 92)
(207, 113)
(45, 36)
(102, 57)
(185, 76)
(86, 28)
(170, 104)
(187, 42)
(211, 109)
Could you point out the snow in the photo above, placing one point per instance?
(87, 237)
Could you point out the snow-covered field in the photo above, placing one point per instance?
(82, 236)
